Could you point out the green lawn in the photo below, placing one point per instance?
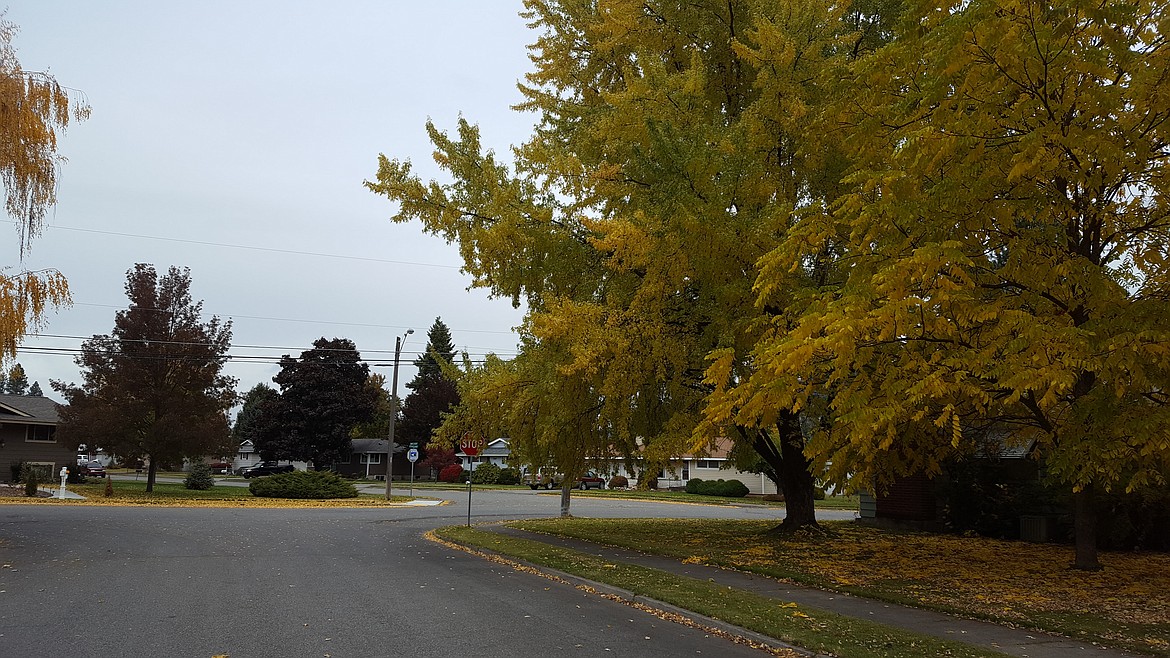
(1127, 605)
(817, 630)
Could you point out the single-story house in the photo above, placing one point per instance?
(247, 455)
(366, 459)
(497, 452)
(28, 433)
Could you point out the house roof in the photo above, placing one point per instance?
(28, 409)
(368, 446)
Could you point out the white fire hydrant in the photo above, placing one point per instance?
(64, 476)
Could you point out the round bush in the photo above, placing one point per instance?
(509, 476)
(200, 478)
(618, 482)
(303, 485)
(694, 485)
(451, 473)
(485, 474)
(731, 489)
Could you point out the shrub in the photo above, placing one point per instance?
(725, 488)
(109, 487)
(303, 485)
(451, 473)
(818, 493)
(17, 468)
(509, 476)
(30, 483)
(200, 478)
(75, 475)
(731, 489)
(618, 482)
(648, 482)
(485, 474)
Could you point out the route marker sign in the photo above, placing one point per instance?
(412, 455)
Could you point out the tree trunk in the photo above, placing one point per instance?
(785, 456)
(566, 494)
(150, 472)
(1085, 529)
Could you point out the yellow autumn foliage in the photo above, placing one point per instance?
(34, 108)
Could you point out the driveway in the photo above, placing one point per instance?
(118, 581)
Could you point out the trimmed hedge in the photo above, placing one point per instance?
(303, 485)
(618, 482)
(725, 488)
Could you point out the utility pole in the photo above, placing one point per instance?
(398, 341)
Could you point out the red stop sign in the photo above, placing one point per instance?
(471, 444)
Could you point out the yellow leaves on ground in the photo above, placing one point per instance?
(1020, 582)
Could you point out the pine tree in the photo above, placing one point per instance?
(17, 381)
(35, 390)
(433, 394)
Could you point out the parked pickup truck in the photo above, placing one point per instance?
(266, 468)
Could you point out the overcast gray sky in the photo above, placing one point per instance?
(233, 138)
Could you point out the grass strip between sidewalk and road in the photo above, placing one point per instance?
(815, 630)
(1126, 605)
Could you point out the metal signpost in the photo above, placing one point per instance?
(470, 444)
(412, 457)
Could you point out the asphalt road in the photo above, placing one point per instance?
(119, 581)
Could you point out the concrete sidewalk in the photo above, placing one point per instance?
(1011, 641)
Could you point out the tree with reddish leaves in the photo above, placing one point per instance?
(154, 387)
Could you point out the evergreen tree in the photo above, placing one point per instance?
(439, 346)
(258, 401)
(432, 394)
(17, 381)
(35, 390)
(154, 387)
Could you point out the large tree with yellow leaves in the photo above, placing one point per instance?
(669, 157)
(34, 108)
(1006, 232)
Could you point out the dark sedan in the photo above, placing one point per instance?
(266, 468)
(93, 470)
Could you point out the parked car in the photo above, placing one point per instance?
(266, 468)
(549, 479)
(544, 478)
(93, 470)
(591, 480)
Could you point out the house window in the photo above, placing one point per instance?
(344, 460)
(46, 471)
(706, 463)
(372, 458)
(41, 434)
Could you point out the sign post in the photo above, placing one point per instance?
(412, 456)
(471, 445)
